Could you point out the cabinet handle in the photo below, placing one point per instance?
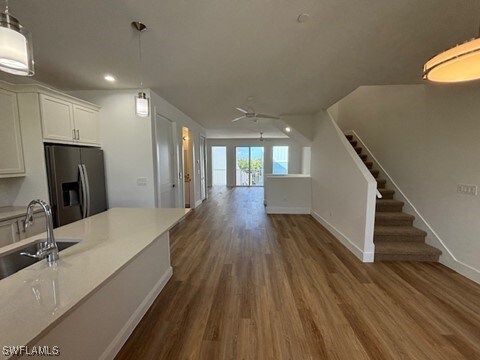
(74, 135)
(78, 134)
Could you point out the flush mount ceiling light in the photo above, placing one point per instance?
(457, 64)
(109, 77)
(16, 51)
(288, 129)
(141, 100)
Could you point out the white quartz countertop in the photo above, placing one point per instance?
(36, 298)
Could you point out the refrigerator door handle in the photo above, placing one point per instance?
(87, 186)
(84, 191)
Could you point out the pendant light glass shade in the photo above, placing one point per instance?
(142, 105)
(141, 101)
(460, 63)
(16, 51)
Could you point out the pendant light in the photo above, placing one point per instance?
(141, 101)
(16, 51)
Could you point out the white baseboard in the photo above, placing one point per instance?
(287, 210)
(198, 203)
(120, 339)
(366, 257)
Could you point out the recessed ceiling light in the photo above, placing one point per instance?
(302, 18)
(109, 77)
(288, 129)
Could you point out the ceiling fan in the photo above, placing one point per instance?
(253, 115)
(261, 138)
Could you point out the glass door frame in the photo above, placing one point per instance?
(262, 171)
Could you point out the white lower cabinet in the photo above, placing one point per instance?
(13, 230)
(9, 232)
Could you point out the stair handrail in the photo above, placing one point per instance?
(379, 195)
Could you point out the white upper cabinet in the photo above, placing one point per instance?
(87, 125)
(57, 119)
(11, 150)
(65, 121)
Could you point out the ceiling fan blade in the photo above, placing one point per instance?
(242, 111)
(264, 116)
(239, 118)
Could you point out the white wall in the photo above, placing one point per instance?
(288, 194)
(127, 144)
(127, 141)
(427, 138)
(343, 191)
(294, 155)
(167, 110)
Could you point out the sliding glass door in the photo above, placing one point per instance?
(249, 165)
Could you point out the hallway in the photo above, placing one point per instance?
(250, 286)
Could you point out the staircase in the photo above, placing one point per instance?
(395, 237)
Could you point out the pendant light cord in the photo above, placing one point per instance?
(6, 6)
(141, 60)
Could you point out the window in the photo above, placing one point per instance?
(280, 160)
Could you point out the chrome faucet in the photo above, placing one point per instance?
(46, 249)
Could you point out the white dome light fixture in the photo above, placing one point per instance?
(16, 51)
(457, 64)
(141, 100)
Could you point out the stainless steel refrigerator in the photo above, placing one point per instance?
(76, 182)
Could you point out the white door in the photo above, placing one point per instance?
(166, 179)
(202, 169)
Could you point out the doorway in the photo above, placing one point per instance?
(219, 165)
(187, 166)
(249, 165)
(165, 153)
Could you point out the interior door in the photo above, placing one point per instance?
(166, 178)
(203, 184)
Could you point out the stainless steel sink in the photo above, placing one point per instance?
(13, 262)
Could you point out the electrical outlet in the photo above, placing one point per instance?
(467, 189)
(142, 181)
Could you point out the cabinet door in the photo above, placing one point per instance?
(39, 226)
(8, 232)
(87, 123)
(57, 119)
(11, 158)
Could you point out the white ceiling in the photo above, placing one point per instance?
(206, 56)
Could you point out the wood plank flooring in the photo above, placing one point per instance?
(250, 286)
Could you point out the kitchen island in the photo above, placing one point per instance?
(90, 302)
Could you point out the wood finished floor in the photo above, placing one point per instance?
(250, 286)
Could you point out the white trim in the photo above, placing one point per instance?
(114, 347)
(287, 210)
(447, 258)
(366, 257)
(198, 203)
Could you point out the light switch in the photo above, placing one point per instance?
(142, 181)
(467, 189)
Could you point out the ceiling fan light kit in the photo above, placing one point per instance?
(251, 114)
(142, 104)
(16, 50)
